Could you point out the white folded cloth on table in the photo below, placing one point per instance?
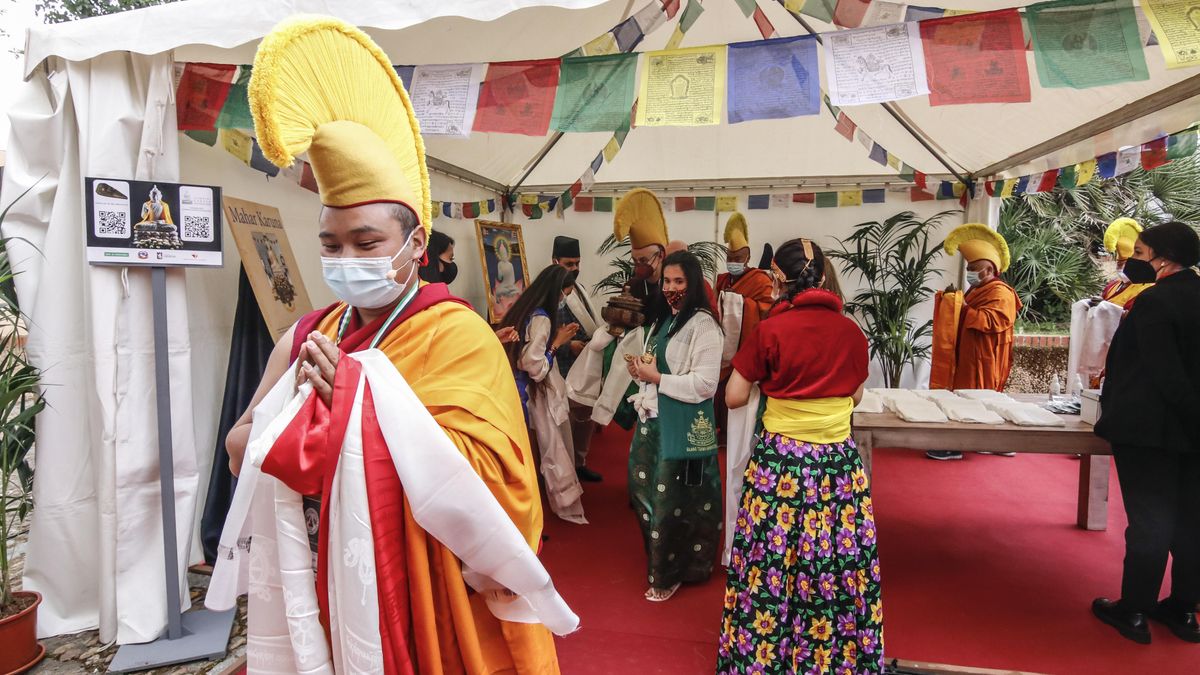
(965, 410)
(915, 409)
(1024, 414)
(870, 403)
(937, 394)
(983, 395)
(889, 395)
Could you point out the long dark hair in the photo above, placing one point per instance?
(695, 300)
(438, 243)
(543, 294)
(802, 272)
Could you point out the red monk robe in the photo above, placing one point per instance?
(756, 288)
(457, 368)
(972, 343)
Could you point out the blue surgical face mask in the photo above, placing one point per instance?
(737, 269)
(972, 278)
(367, 283)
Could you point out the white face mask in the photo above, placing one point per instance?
(737, 269)
(366, 283)
(972, 278)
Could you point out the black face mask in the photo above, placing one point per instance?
(449, 272)
(1139, 271)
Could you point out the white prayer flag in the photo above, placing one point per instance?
(444, 98)
(781, 201)
(882, 12)
(1128, 159)
(650, 17)
(874, 65)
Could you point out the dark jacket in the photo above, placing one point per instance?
(1152, 376)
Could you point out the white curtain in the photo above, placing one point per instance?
(95, 547)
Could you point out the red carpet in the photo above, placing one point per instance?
(982, 566)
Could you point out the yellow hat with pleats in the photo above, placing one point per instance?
(737, 233)
(321, 86)
(639, 216)
(1120, 237)
(977, 241)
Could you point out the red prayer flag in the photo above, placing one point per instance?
(685, 203)
(916, 194)
(470, 209)
(850, 13)
(804, 197)
(576, 188)
(670, 8)
(919, 179)
(764, 24)
(517, 97)
(1048, 180)
(845, 126)
(203, 88)
(976, 58)
(990, 186)
(1154, 153)
(583, 204)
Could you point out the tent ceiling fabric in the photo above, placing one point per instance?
(969, 137)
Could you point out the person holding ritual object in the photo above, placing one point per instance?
(577, 310)
(387, 425)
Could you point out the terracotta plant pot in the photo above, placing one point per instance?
(19, 648)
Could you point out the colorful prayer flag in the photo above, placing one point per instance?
(825, 200)
(444, 98)
(781, 201)
(1086, 43)
(1048, 181)
(726, 203)
(1010, 185)
(916, 13)
(685, 203)
(773, 79)
(804, 197)
(595, 93)
(945, 190)
(878, 154)
(1128, 159)
(602, 46)
(208, 138)
(650, 17)
(583, 204)
(690, 13)
(259, 161)
(875, 196)
(977, 58)
(1022, 185)
(670, 8)
(682, 87)
(894, 161)
(758, 202)
(405, 73)
(1068, 177)
(850, 13)
(1181, 144)
(235, 114)
(765, 28)
(706, 203)
(202, 91)
(236, 143)
(874, 65)
(675, 39)
(919, 179)
(845, 126)
(821, 10)
(849, 198)
(1177, 25)
(308, 180)
(603, 204)
(1154, 153)
(916, 194)
(1084, 171)
(611, 149)
(882, 13)
(517, 97)
(667, 204)
(748, 6)
(628, 34)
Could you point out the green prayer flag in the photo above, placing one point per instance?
(602, 204)
(826, 200)
(706, 203)
(692, 12)
(820, 9)
(1182, 144)
(208, 138)
(235, 114)
(1067, 177)
(1084, 43)
(565, 201)
(595, 93)
(748, 6)
(906, 171)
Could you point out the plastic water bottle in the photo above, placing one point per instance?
(1055, 386)
(1076, 388)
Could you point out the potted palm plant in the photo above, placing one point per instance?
(20, 403)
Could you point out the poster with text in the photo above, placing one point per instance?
(152, 223)
(272, 269)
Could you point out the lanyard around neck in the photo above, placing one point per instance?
(345, 322)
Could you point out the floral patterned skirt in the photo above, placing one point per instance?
(803, 590)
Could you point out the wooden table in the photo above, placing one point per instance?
(886, 430)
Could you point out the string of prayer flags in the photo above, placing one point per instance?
(1177, 25)
(917, 13)
(706, 203)
(845, 126)
(873, 65)
(850, 198)
(821, 10)
(1181, 144)
(747, 6)
(603, 204)
(1106, 165)
(444, 98)
(916, 194)
(773, 79)
(683, 87)
(236, 143)
(518, 97)
(1086, 43)
(758, 202)
(976, 58)
(873, 196)
(628, 34)
(1128, 159)
(203, 89)
(765, 28)
(595, 93)
(685, 204)
(235, 114)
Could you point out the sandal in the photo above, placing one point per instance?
(661, 594)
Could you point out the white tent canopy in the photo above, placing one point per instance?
(99, 100)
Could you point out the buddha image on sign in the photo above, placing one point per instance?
(270, 253)
(156, 229)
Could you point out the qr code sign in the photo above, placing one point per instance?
(112, 224)
(197, 228)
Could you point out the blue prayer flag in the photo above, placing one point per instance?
(447, 209)
(915, 13)
(773, 79)
(406, 74)
(875, 196)
(597, 163)
(1106, 165)
(945, 190)
(1022, 186)
(759, 201)
(628, 34)
(878, 153)
(260, 162)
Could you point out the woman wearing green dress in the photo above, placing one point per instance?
(674, 478)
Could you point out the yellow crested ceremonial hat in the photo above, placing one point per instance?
(321, 86)
(977, 241)
(737, 233)
(1120, 237)
(639, 216)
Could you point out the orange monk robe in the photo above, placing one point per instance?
(1122, 293)
(457, 368)
(983, 341)
(756, 288)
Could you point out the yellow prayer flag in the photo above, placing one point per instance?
(611, 149)
(1084, 171)
(726, 203)
(850, 198)
(893, 161)
(676, 38)
(793, 5)
(682, 87)
(529, 199)
(605, 44)
(1174, 24)
(237, 143)
(1009, 185)
(959, 189)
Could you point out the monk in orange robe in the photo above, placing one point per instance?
(757, 291)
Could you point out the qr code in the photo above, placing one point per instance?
(197, 228)
(112, 224)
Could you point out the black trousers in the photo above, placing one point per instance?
(1162, 500)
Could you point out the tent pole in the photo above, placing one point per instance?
(1176, 93)
(455, 171)
(537, 160)
(912, 130)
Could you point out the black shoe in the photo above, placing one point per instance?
(1182, 623)
(587, 475)
(1130, 624)
(943, 456)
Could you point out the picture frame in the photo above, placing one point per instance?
(505, 270)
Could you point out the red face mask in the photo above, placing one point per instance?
(675, 299)
(642, 272)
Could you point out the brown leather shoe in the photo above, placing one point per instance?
(1130, 624)
(1181, 622)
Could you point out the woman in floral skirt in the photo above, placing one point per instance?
(803, 591)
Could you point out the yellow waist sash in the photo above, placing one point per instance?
(814, 420)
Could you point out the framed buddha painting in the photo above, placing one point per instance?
(505, 272)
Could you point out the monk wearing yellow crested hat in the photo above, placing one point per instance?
(1133, 276)
(744, 295)
(408, 461)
